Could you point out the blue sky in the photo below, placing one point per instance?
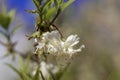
(21, 5)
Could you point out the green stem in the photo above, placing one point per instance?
(57, 29)
(52, 75)
(37, 4)
(42, 76)
(65, 69)
(57, 14)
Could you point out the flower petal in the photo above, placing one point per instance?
(71, 41)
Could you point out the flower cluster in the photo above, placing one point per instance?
(62, 49)
(52, 43)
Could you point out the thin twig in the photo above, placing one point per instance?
(32, 11)
(57, 29)
(57, 14)
(45, 4)
(39, 9)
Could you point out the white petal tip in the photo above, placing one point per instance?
(82, 46)
(36, 40)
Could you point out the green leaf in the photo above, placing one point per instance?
(6, 18)
(5, 55)
(59, 2)
(22, 65)
(37, 3)
(36, 76)
(11, 14)
(46, 6)
(26, 77)
(42, 75)
(4, 21)
(22, 74)
(65, 5)
(15, 29)
(14, 69)
(27, 63)
(36, 34)
(40, 1)
(50, 13)
(3, 33)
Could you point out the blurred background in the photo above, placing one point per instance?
(97, 22)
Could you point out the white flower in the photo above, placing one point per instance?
(47, 68)
(40, 44)
(63, 50)
(70, 42)
(54, 40)
(35, 40)
(57, 46)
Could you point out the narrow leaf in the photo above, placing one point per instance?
(11, 14)
(36, 76)
(65, 5)
(15, 29)
(6, 55)
(14, 69)
(27, 63)
(4, 21)
(45, 6)
(4, 34)
(26, 77)
(42, 75)
(22, 65)
(51, 12)
(36, 34)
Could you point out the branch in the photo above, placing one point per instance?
(57, 14)
(57, 29)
